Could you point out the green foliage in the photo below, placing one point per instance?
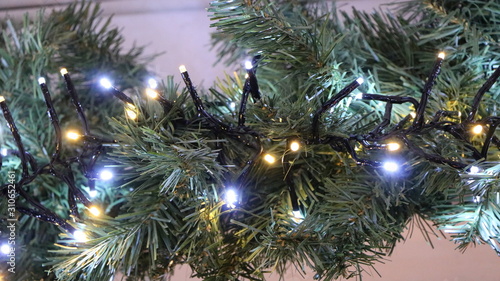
(168, 207)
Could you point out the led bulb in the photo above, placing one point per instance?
(182, 69)
(106, 175)
(269, 158)
(294, 146)
(393, 146)
(94, 211)
(297, 216)
(232, 105)
(5, 249)
(152, 83)
(231, 198)
(63, 71)
(391, 166)
(360, 80)
(72, 135)
(2, 99)
(105, 83)
(441, 55)
(359, 96)
(413, 115)
(131, 113)
(151, 93)
(41, 80)
(478, 129)
(248, 65)
(474, 170)
(80, 236)
(3, 151)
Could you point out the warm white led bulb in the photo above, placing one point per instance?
(2, 99)
(231, 198)
(72, 135)
(441, 55)
(413, 115)
(105, 175)
(131, 114)
(151, 93)
(391, 166)
(63, 71)
(80, 236)
(182, 69)
(41, 80)
(94, 211)
(153, 84)
(248, 65)
(269, 158)
(105, 83)
(294, 146)
(393, 146)
(360, 80)
(478, 129)
(5, 249)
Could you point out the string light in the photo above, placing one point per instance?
(63, 71)
(151, 93)
(95, 211)
(294, 146)
(441, 55)
(105, 83)
(41, 80)
(248, 65)
(360, 80)
(269, 158)
(72, 135)
(391, 166)
(2, 99)
(182, 69)
(232, 105)
(478, 129)
(393, 146)
(80, 236)
(3, 151)
(131, 111)
(153, 84)
(231, 198)
(413, 115)
(474, 170)
(105, 175)
(297, 216)
(5, 249)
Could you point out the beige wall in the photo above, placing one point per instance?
(180, 28)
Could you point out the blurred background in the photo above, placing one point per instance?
(179, 31)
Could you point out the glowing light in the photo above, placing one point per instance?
(413, 115)
(151, 93)
(393, 146)
(80, 236)
(269, 158)
(359, 96)
(3, 151)
(477, 199)
(95, 211)
(478, 129)
(72, 135)
(105, 83)
(232, 105)
(105, 175)
(93, 193)
(41, 80)
(5, 249)
(182, 69)
(63, 71)
(297, 216)
(131, 111)
(2, 99)
(474, 170)
(248, 65)
(441, 55)
(391, 166)
(294, 146)
(152, 83)
(231, 198)
(360, 80)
